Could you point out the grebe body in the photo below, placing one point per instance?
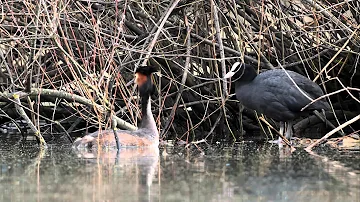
(147, 133)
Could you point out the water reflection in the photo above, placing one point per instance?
(121, 174)
(243, 172)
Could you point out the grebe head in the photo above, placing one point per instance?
(143, 79)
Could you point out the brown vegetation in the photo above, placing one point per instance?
(72, 62)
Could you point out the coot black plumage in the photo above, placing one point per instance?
(275, 95)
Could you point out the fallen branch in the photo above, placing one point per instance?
(69, 97)
(309, 148)
(23, 114)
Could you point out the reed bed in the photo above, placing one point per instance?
(70, 64)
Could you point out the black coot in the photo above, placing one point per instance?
(275, 95)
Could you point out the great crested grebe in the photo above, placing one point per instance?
(275, 95)
(146, 135)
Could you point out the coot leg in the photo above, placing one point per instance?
(281, 131)
(282, 128)
(289, 131)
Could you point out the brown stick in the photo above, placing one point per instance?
(310, 147)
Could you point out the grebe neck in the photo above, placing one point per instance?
(147, 120)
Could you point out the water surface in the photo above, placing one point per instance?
(241, 172)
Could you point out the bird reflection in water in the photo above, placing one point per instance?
(135, 158)
(127, 170)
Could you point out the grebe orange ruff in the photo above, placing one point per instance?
(146, 135)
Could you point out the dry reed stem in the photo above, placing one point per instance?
(90, 49)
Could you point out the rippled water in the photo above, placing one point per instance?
(242, 172)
